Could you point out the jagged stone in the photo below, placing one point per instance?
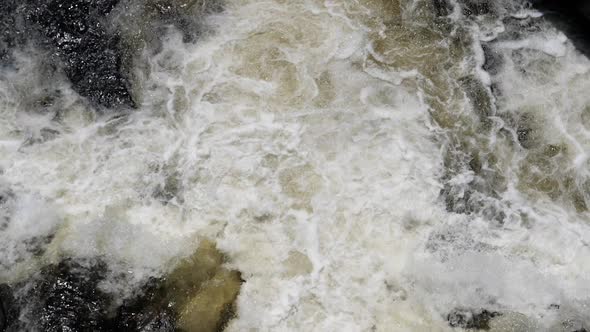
(90, 55)
(69, 298)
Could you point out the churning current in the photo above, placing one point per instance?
(293, 165)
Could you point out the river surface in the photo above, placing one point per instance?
(367, 165)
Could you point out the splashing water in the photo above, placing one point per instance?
(366, 165)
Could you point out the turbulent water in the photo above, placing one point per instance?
(367, 165)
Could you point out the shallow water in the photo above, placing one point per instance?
(366, 165)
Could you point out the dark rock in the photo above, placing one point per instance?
(6, 196)
(476, 7)
(9, 36)
(149, 311)
(62, 297)
(90, 55)
(493, 60)
(480, 97)
(517, 28)
(199, 295)
(93, 44)
(8, 308)
(68, 297)
(523, 135)
(471, 319)
(441, 7)
(528, 132)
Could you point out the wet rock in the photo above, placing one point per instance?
(6, 23)
(8, 309)
(517, 28)
(67, 297)
(149, 311)
(476, 7)
(212, 307)
(441, 7)
(97, 43)
(493, 60)
(528, 131)
(204, 291)
(10, 30)
(481, 99)
(61, 297)
(198, 295)
(92, 58)
(471, 319)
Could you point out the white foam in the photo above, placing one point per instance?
(284, 142)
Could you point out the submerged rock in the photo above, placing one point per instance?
(493, 59)
(471, 319)
(476, 7)
(142, 23)
(198, 295)
(145, 312)
(8, 308)
(441, 7)
(66, 297)
(7, 35)
(480, 97)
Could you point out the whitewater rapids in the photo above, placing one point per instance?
(326, 147)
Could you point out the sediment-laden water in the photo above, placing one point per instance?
(362, 165)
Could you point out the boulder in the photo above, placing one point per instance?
(91, 56)
(197, 295)
(66, 297)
